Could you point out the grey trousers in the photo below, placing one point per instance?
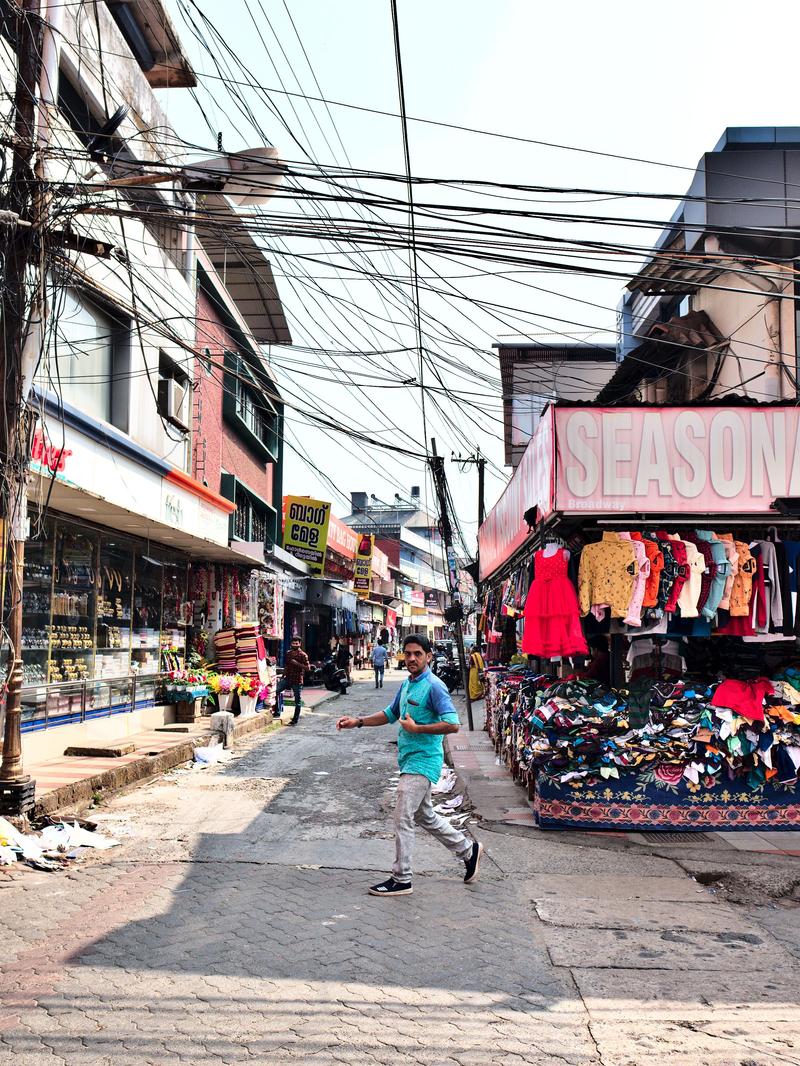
(414, 807)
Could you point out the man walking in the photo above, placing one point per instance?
(294, 671)
(426, 713)
(344, 657)
(380, 657)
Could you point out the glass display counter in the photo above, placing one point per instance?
(103, 616)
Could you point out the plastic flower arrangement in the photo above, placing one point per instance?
(245, 686)
(222, 684)
(187, 684)
(265, 692)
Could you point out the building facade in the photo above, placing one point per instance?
(117, 513)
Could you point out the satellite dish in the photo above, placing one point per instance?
(98, 144)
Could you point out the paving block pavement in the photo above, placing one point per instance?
(233, 925)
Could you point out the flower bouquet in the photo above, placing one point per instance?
(247, 687)
(223, 686)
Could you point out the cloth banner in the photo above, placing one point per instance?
(645, 801)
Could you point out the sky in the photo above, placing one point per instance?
(653, 81)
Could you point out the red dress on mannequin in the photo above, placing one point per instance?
(552, 617)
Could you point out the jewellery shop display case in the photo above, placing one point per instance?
(102, 619)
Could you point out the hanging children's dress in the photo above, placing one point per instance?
(552, 619)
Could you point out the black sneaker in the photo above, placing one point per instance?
(391, 888)
(472, 863)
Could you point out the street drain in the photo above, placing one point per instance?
(471, 747)
(667, 837)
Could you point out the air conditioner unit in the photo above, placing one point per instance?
(173, 402)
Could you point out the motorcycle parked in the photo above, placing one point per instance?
(334, 678)
(446, 670)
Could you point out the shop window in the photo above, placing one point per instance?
(37, 587)
(74, 605)
(98, 616)
(247, 408)
(173, 619)
(174, 392)
(114, 608)
(146, 629)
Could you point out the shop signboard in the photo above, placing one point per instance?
(363, 572)
(380, 564)
(391, 618)
(687, 460)
(79, 462)
(505, 530)
(305, 530)
(659, 460)
(417, 598)
(432, 599)
(341, 538)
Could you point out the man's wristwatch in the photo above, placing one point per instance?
(360, 723)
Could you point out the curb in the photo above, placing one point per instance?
(147, 766)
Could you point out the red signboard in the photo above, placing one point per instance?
(505, 530)
(391, 618)
(342, 538)
(632, 460)
(55, 459)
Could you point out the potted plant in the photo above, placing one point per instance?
(186, 685)
(223, 686)
(247, 687)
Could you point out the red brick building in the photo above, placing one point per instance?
(238, 416)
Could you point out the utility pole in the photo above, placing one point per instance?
(440, 485)
(480, 461)
(21, 287)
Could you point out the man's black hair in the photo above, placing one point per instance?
(418, 638)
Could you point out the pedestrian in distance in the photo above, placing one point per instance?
(425, 711)
(380, 657)
(344, 657)
(294, 672)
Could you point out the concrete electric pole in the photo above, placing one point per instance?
(20, 312)
(440, 485)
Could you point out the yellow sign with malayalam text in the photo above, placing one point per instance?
(305, 530)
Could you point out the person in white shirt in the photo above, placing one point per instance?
(380, 657)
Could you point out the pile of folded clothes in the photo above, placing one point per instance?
(576, 731)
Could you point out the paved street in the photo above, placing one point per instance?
(234, 926)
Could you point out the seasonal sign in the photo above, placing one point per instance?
(363, 574)
(305, 530)
(689, 460)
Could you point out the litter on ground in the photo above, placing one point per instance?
(52, 848)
